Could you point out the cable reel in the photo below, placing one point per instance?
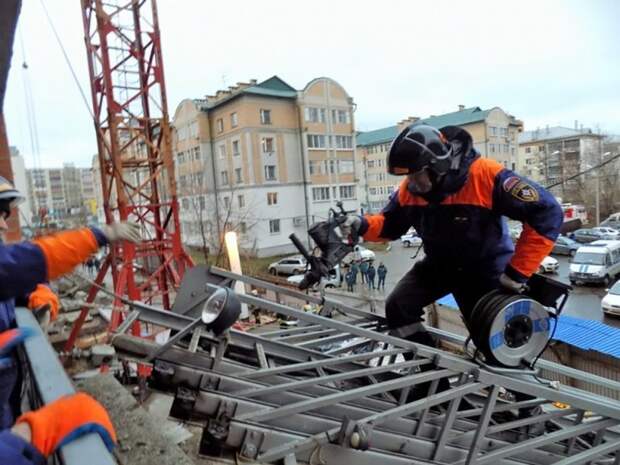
(513, 330)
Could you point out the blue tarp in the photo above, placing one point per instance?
(585, 334)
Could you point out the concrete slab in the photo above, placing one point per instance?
(142, 437)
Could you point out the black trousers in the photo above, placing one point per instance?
(428, 281)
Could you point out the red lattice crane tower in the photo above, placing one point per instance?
(134, 148)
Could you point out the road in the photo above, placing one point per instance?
(584, 301)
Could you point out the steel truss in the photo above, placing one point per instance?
(336, 390)
(131, 120)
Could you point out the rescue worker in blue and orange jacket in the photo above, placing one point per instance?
(456, 201)
(25, 266)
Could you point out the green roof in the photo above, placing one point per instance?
(272, 87)
(457, 118)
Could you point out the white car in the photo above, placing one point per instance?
(607, 233)
(289, 265)
(611, 302)
(334, 279)
(359, 254)
(549, 265)
(411, 240)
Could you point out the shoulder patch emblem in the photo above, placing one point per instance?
(524, 192)
(509, 183)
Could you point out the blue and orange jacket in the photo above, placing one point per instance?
(466, 228)
(26, 264)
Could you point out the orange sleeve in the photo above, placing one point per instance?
(530, 251)
(65, 250)
(375, 226)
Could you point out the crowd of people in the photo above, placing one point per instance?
(368, 273)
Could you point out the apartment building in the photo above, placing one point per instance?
(61, 193)
(495, 135)
(552, 154)
(265, 160)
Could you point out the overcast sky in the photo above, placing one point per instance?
(546, 62)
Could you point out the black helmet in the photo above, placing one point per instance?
(417, 147)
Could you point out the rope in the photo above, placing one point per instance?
(64, 53)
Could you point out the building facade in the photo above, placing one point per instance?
(494, 132)
(20, 181)
(61, 193)
(265, 160)
(554, 154)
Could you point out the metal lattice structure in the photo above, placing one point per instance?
(134, 148)
(335, 389)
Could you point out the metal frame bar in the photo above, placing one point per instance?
(51, 383)
(275, 398)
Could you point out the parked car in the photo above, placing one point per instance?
(411, 240)
(613, 221)
(565, 246)
(359, 254)
(585, 235)
(549, 265)
(334, 279)
(289, 265)
(611, 302)
(607, 233)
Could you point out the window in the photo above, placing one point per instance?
(182, 133)
(222, 150)
(235, 148)
(265, 116)
(503, 131)
(242, 227)
(314, 167)
(274, 226)
(199, 179)
(320, 193)
(506, 148)
(492, 148)
(344, 142)
(193, 129)
(220, 125)
(234, 120)
(347, 192)
(238, 176)
(346, 166)
(224, 176)
(316, 141)
(270, 173)
(314, 115)
(333, 166)
(528, 150)
(196, 153)
(513, 166)
(183, 181)
(185, 204)
(181, 157)
(272, 198)
(226, 202)
(370, 163)
(267, 144)
(202, 202)
(241, 201)
(493, 130)
(372, 191)
(341, 116)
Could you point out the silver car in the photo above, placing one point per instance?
(289, 265)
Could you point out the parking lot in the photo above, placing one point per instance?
(584, 301)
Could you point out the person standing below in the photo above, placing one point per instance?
(370, 276)
(350, 279)
(355, 268)
(381, 272)
(364, 271)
